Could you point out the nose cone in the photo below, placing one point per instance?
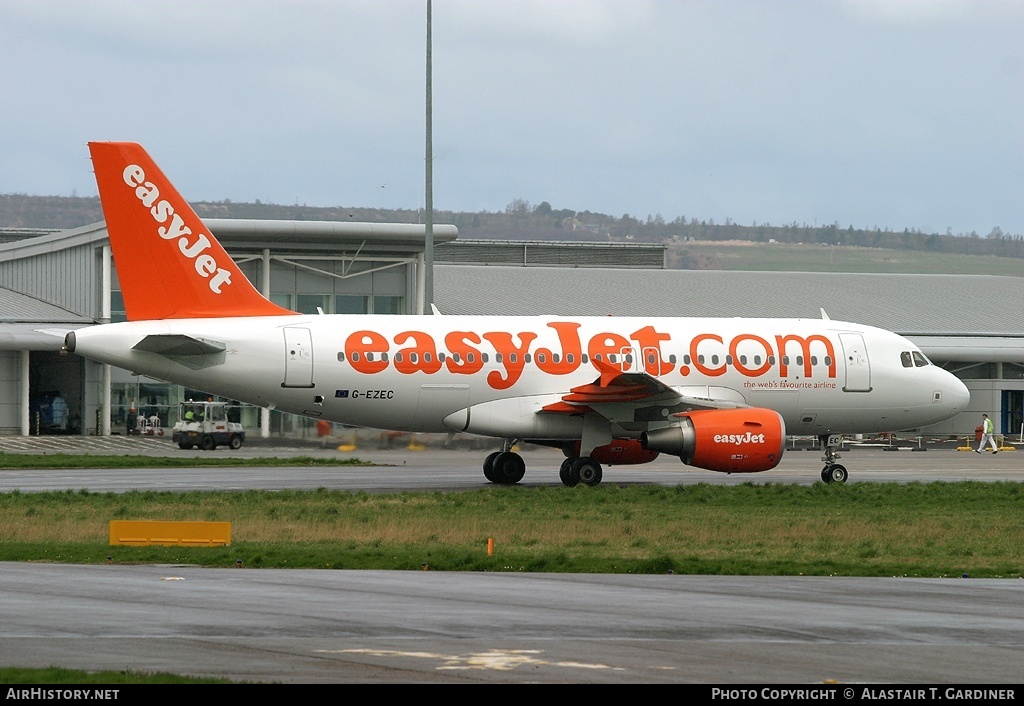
(956, 394)
(951, 393)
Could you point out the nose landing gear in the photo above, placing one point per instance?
(832, 472)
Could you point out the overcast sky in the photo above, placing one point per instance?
(889, 113)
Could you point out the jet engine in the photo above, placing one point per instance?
(728, 440)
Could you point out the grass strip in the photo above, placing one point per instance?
(861, 529)
(58, 676)
(30, 461)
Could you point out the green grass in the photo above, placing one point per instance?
(29, 461)
(57, 676)
(863, 529)
(810, 257)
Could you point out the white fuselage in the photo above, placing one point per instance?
(411, 372)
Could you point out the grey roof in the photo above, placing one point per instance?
(27, 323)
(982, 305)
(16, 307)
(330, 236)
(548, 253)
(239, 234)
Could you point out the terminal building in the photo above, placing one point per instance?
(52, 282)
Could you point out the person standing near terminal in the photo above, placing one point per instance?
(986, 435)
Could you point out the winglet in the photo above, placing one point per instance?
(824, 315)
(168, 264)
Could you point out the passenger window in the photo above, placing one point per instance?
(341, 357)
(541, 358)
(906, 360)
(355, 356)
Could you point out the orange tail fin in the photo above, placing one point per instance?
(168, 263)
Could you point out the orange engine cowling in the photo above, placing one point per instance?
(728, 440)
(621, 452)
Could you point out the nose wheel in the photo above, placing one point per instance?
(832, 472)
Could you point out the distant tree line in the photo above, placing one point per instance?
(521, 220)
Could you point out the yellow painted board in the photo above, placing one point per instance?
(167, 532)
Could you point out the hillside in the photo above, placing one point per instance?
(692, 244)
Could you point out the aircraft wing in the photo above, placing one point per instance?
(634, 400)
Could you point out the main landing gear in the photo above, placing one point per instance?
(580, 469)
(506, 467)
(832, 472)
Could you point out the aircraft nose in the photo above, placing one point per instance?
(956, 393)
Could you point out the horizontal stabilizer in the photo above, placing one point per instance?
(178, 345)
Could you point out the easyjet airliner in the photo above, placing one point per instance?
(721, 394)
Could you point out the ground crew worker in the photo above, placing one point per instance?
(986, 435)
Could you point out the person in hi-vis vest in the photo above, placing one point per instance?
(986, 435)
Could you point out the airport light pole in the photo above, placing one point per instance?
(428, 245)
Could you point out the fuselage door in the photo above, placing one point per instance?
(858, 368)
(628, 361)
(298, 358)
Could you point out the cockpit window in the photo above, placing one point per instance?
(907, 361)
(919, 359)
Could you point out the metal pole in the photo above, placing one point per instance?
(428, 252)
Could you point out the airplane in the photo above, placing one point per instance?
(722, 394)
